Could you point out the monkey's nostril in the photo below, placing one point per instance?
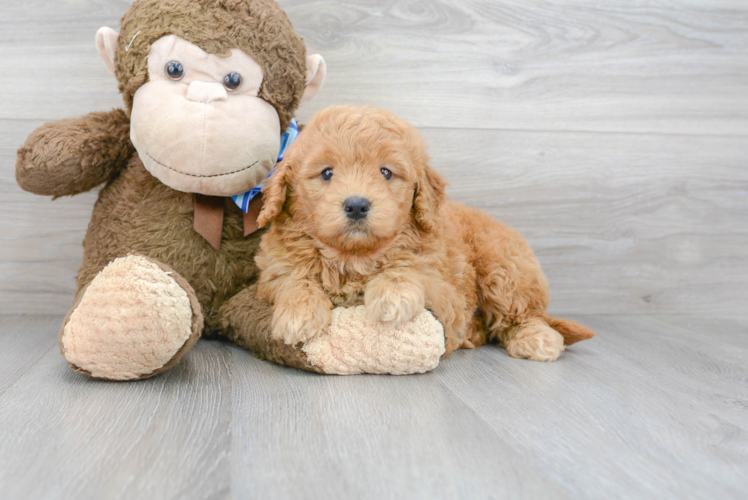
(356, 207)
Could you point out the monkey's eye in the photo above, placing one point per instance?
(327, 174)
(386, 173)
(232, 81)
(174, 70)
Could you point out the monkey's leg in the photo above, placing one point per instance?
(349, 346)
(246, 321)
(136, 319)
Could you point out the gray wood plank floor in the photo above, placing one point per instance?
(655, 407)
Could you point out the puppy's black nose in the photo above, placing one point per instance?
(356, 208)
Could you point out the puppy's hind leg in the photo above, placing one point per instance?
(515, 315)
(533, 339)
(512, 290)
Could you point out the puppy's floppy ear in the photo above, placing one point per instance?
(274, 194)
(429, 196)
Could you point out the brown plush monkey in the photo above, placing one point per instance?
(209, 87)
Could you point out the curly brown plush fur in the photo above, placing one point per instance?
(75, 155)
(408, 248)
(260, 28)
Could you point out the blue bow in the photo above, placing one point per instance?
(242, 200)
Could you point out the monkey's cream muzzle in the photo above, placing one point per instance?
(194, 134)
(205, 92)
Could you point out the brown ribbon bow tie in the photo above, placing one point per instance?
(209, 211)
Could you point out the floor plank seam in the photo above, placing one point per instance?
(18, 375)
(648, 133)
(519, 453)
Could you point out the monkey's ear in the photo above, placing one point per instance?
(106, 45)
(274, 193)
(316, 69)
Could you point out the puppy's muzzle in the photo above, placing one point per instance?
(356, 208)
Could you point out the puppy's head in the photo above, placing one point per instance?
(355, 179)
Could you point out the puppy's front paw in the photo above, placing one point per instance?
(299, 321)
(393, 302)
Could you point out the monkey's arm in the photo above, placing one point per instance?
(71, 156)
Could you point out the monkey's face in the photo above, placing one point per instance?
(198, 124)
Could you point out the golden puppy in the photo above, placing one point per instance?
(359, 216)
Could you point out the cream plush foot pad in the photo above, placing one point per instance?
(353, 345)
(131, 321)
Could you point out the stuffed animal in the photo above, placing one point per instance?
(210, 90)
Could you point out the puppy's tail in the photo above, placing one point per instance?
(571, 331)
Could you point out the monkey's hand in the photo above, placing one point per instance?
(71, 156)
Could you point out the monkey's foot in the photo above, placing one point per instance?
(136, 319)
(352, 344)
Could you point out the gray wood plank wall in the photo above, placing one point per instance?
(612, 134)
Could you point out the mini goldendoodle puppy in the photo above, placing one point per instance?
(359, 216)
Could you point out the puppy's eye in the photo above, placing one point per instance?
(327, 174)
(232, 81)
(174, 70)
(386, 173)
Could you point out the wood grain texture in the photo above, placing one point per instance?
(611, 134)
(63, 435)
(665, 66)
(618, 410)
(366, 437)
(653, 408)
(621, 223)
(25, 341)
